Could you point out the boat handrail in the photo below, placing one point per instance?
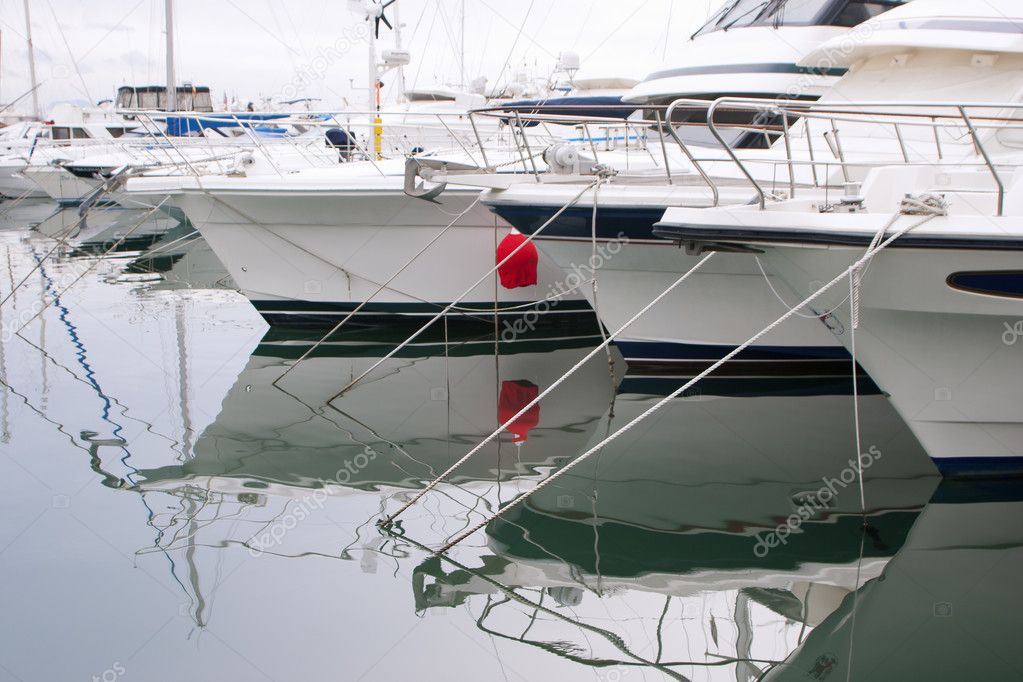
(897, 115)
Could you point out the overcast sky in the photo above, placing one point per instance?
(256, 48)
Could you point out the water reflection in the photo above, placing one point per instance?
(662, 528)
(410, 419)
(947, 606)
(722, 539)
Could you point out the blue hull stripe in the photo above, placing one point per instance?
(577, 221)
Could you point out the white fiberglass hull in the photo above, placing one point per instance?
(14, 184)
(716, 309)
(310, 256)
(952, 360)
(61, 185)
(940, 325)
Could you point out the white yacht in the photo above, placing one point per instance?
(936, 319)
(32, 164)
(313, 246)
(750, 49)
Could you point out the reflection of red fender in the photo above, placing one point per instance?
(520, 270)
(514, 396)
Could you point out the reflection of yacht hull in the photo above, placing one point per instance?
(558, 552)
(192, 264)
(99, 230)
(760, 457)
(403, 425)
(945, 606)
(690, 503)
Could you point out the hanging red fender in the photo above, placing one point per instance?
(514, 396)
(521, 269)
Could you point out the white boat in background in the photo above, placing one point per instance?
(752, 48)
(35, 157)
(938, 312)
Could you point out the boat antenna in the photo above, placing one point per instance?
(461, 64)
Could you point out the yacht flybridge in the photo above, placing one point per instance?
(775, 36)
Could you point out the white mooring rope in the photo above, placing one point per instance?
(448, 308)
(545, 393)
(376, 293)
(871, 252)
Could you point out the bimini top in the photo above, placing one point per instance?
(991, 26)
(754, 48)
(154, 97)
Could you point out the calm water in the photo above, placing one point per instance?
(170, 512)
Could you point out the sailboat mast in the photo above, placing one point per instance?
(398, 45)
(172, 94)
(462, 47)
(373, 77)
(32, 64)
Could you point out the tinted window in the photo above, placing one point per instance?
(202, 101)
(60, 133)
(740, 13)
(846, 13)
(858, 11)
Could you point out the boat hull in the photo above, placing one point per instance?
(60, 185)
(309, 259)
(14, 185)
(951, 359)
(718, 308)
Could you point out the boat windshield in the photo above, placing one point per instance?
(843, 13)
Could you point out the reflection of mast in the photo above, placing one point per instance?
(5, 425)
(186, 420)
(45, 394)
(193, 568)
(744, 671)
(192, 509)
